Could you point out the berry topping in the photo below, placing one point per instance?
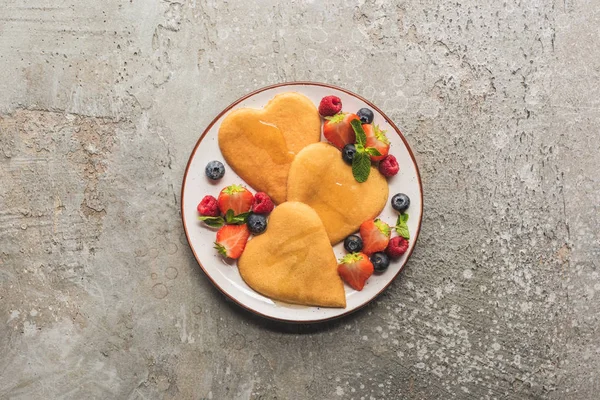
(348, 153)
(257, 223)
(338, 131)
(397, 247)
(236, 198)
(400, 202)
(366, 115)
(375, 235)
(231, 240)
(262, 203)
(329, 106)
(215, 170)
(380, 261)
(376, 138)
(389, 166)
(208, 207)
(355, 269)
(353, 244)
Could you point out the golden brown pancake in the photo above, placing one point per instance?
(260, 144)
(293, 260)
(320, 178)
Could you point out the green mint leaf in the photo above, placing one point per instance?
(215, 222)
(403, 231)
(243, 216)
(239, 219)
(361, 166)
(402, 227)
(361, 136)
(372, 151)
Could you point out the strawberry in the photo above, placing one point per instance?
(376, 138)
(235, 198)
(231, 240)
(375, 235)
(355, 269)
(338, 131)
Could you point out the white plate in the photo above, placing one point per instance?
(225, 276)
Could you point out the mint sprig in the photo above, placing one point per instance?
(230, 219)
(361, 163)
(361, 136)
(214, 222)
(361, 166)
(239, 219)
(372, 151)
(402, 226)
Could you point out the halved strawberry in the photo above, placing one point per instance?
(231, 240)
(338, 131)
(236, 198)
(355, 269)
(375, 235)
(376, 138)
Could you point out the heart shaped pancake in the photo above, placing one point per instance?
(320, 178)
(292, 260)
(260, 144)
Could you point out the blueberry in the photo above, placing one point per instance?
(353, 244)
(366, 116)
(215, 170)
(400, 202)
(257, 223)
(380, 261)
(348, 153)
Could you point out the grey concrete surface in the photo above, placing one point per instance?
(101, 103)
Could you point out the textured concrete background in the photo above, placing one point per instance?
(101, 103)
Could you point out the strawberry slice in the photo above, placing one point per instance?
(231, 240)
(338, 131)
(236, 198)
(376, 138)
(375, 235)
(355, 269)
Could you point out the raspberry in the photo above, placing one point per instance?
(329, 106)
(397, 247)
(208, 207)
(262, 203)
(389, 166)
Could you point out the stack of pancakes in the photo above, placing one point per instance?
(277, 150)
